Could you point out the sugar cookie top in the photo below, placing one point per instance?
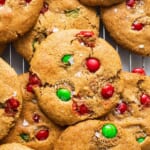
(17, 17)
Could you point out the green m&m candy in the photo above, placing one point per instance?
(141, 139)
(109, 131)
(63, 94)
(25, 137)
(66, 58)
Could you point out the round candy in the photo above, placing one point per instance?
(141, 139)
(109, 131)
(66, 58)
(145, 99)
(107, 91)
(139, 71)
(64, 94)
(42, 135)
(92, 64)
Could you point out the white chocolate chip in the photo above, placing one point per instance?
(25, 123)
(34, 101)
(141, 46)
(82, 43)
(71, 61)
(78, 74)
(97, 134)
(15, 94)
(55, 30)
(115, 10)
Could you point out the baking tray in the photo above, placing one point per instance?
(129, 60)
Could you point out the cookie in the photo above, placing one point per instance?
(100, 2)
(10, 98)
(17, 17)
(76, 76)
(33, 128)
(55, 16)
(14, 146)
(132, 112)
(128, 23)
(96, 135)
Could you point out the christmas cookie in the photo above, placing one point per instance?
(100, 2)
(133, 109)
(55, 16)
(17, 17)
(10, 98)
(33, 128)
(76, 76)
(129, 24)
(14, 146)
(96, 135)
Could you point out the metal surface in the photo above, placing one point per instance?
(129, 60)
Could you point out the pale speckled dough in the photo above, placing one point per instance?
(60, 15)
(27, 125)
(118, 21)
(136, 118)
(100, 2)
(14, 146)
(9, 88)
(47, 65)
(17, 17)
(88, 136)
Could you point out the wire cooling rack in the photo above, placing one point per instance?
(129, 60)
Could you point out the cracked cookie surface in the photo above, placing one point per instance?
(132, 111)
(17, 17)
(14, 146)
(93, 135)
(100, 2)
(33, 128)
(77, 76)
(10, 98)
(129, 23)
(57, 15)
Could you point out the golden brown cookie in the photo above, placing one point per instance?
(14, 146)
(132, 112)
(57, 15)
(10, 98)
(76, 76)
(100, 2)
(96, 135)
(129, 24)
(33, 128)
(17, 17)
